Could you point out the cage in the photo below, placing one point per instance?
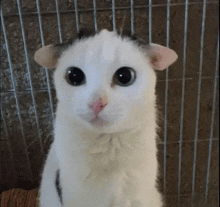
(187, 91)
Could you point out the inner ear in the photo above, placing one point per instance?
(48, 55)
(161, 57)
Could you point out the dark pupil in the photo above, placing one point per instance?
(124, 75)
(75, 76)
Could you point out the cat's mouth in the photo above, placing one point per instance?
(97, 121)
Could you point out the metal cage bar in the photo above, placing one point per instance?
(182, 99)
(29, 72)
(110, 9)
(95, 15)
(198, 99)
(8, 141)
(150, 21)
(113, 15)
(76, 15)
(132, 16)
(46, 71)
(212, 121)
(166, 97)
(15, 94)
(58, 21)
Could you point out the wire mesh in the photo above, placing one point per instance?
(182, 99)
(212, 122)
(46, 71)
(16, 98)
(198, 98)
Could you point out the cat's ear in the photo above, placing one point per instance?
(48, 55)
(160, 57)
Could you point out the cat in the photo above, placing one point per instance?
(104, 148)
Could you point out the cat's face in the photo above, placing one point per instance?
(111, 68)
(106, 82)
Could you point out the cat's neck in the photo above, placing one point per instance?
(73, 136)
(106, 152)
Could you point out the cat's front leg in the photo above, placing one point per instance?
(73, 173)
(153, 200)
(48, 193)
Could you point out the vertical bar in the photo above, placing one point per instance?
(8, 141)
(40, 22)
(166, 97)
(150, 21)
(6, 132)
(15, 94)
(46, 71)
(113, 15)
(212, 122)
(182, 99)
(132, 17)
(29, 72)
(77, 16)
(94, 13)
(58, 21)
(198, 99)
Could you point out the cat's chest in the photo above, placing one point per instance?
(106, 145)
(117, 191)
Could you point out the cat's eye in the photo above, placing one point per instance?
(75, 76)
(124, 76)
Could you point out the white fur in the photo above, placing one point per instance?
(111, 163)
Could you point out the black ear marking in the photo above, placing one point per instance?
(60, 47)
(133, 37)
(58, 186)
(85, 32)
(127, 33)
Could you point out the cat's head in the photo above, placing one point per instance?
(106, 81)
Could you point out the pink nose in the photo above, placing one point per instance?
(98, 105)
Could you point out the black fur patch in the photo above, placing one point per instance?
(58, 186)
(59, 48)
(89, 32)
(127, 33)
(86, 32)
(62, 46)
(133, 37)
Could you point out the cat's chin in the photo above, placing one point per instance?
(99, 125)
(99, 122)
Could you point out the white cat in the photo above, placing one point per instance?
(104, 150)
